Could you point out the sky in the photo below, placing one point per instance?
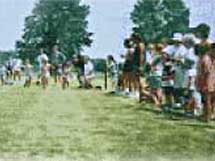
(109, 20)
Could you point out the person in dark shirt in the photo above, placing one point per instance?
(168, 81)
(79, 62)
(138, 61)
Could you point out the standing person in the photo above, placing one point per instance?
(148, 59)
(127, 68)
(177, 53)
(40, 59)
(28, 70)
(206, 83)
(138, 61)
(156, 74)
(9, 66)
(193, 101)
(79, 62)
(3, 73)
(57, 61)
(45, 75)
(89, 74)
(17, 64)
(168, 81)
(66, 75)
(113, 72)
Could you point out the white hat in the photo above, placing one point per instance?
(177, 37)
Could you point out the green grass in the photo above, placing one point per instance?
(91, 125)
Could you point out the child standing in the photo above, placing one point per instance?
(28, 70)
(66, 76)
(45, 75)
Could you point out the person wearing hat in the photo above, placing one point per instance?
(190, 65)
(176, 53)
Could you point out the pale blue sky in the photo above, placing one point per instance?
(109, 20)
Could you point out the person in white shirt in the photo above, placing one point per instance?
(194, 104)
(42, 57)
(177, 52)
(89, 74)
(17, 65)
(3, 73)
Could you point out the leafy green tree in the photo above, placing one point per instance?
(158, 19)
(6, 55)
(62, 22)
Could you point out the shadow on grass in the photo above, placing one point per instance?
(198, 125)
(173, 115)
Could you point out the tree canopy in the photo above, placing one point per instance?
(55, 22)
(157, 19)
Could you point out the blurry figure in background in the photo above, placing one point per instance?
(138, 62)
(3, 74)
(28, 70)
(57, 60)
(121, 62)
(66, 78)
(148, 59)
(45, 75)
(156, 75)
(9, 66)
(79, 62)
(127, 75)
(17, 65)
(89, 73)
(113, 72)
(40, 59)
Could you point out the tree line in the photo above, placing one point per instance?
(65, 23)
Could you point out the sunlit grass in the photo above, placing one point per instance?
(91, 125)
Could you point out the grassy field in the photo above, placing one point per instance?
(56, 125)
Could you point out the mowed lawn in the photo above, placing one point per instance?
(91, 125)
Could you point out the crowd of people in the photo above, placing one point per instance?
(178, 73)
(54, 65)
